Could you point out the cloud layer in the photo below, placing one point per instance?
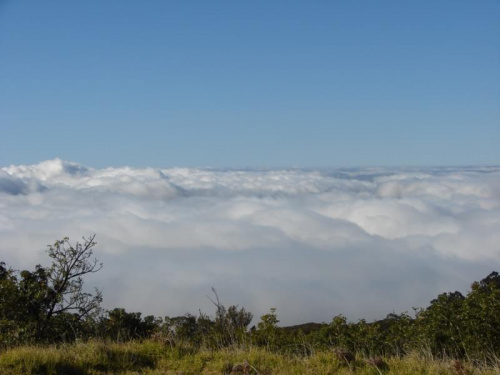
(313, 243)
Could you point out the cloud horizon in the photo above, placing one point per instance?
(312, 242)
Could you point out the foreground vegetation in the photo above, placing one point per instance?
(50, 325)
(151, 357)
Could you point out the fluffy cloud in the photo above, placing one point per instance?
(313, 243)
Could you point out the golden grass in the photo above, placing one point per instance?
(97, 358)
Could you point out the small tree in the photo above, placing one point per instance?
(268, 333)
(230, 324)
(69, 264)
(481, 317)
(11, 313)
(442, 324)
(49, 303)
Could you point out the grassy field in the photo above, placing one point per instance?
(153, 358)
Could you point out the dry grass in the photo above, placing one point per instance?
(95, 358)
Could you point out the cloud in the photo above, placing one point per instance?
(313, 243)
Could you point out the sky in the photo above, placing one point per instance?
(229, 84)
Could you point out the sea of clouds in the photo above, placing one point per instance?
(313, 243)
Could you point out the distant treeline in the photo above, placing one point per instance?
(49, 305)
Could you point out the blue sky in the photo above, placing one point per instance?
(263, 84)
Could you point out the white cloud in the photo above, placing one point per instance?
(313, 243)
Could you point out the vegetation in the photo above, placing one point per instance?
(153, 358)
(50, 325)
(49, 303)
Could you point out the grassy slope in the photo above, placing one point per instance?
(153, 358)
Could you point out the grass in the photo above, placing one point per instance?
(96, 358)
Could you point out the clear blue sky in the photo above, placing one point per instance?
(250, 83)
